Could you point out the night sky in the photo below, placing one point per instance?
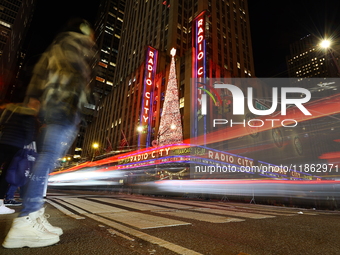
(274, 25)
(51, 16)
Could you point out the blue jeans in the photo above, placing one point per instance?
(55, 141)
(11, 191)
(7, 152)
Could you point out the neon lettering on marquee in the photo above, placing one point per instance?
(198, 67)
(228, 158)
(200, 53)
(147, 95)
(150, 155)
(150, 71)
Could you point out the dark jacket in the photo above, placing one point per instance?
(61, 78)
(18, 125)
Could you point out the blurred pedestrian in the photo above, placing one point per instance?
(18, 124)
(9, 199)
(60, 81)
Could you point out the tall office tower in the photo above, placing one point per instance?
(314, 64)
(212, 39)
(308, 58)
(8, 13)
(15, 18)
(108, 27)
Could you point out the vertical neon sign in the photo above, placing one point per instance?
(199, 67)
(200, 48)
(147, 96)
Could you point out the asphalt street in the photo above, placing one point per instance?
(103, 223)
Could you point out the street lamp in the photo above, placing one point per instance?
(139, 128)
(95, 146)
(326, 44)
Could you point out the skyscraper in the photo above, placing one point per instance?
(212, 39)
(308, 58)
(15, 19)
(108, 27)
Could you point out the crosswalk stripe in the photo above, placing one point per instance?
(144, 221)
(98, 208)
(64, 210)
(151, 239)
(91, 206)
(239, 214)
(165, 204)
(213, 212)
(200, 216)
(259, 207)
(137, 206)
(212, 205)
(255, 210)
(136, 219)
(113, 232)
(280, 210)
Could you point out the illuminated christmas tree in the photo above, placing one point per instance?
(170, 129)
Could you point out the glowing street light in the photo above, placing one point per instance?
(95, 146)
(325, 44)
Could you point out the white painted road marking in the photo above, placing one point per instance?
(151, 239)
(144, 221)
(137, 206)
(113, 216)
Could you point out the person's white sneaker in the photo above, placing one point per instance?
(28, 232)
(6, 210)
(42, 219)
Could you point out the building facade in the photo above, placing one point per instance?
(315, 66)
(212, 40)
(309, 59)
(108, 27)
(15, 19)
